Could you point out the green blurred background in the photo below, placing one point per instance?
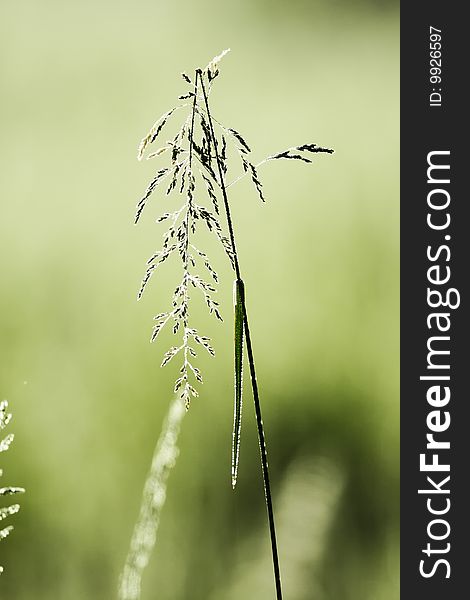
(81, 82)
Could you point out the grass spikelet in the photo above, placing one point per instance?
(212, 69)
(154, 132)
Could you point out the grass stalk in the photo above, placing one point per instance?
(197, 155)
(251, 360)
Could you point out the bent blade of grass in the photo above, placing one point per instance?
(238, 404)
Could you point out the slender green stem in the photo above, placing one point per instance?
(263, 451)
(254, 383)
(193, 114)
(186, 250)
(221, 176)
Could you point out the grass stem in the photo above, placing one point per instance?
(251, 361)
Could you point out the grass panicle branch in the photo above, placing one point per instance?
(197, 167)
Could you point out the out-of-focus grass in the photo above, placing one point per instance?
(80, 83)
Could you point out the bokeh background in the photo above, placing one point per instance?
(81, 82)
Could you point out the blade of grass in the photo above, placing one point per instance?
(238, 404)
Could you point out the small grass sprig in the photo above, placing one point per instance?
(197, 167)
(153, 499)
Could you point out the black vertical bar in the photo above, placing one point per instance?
(431, 124)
